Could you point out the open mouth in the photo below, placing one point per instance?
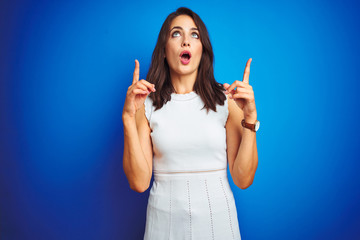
(185, 57)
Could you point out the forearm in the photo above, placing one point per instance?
(136, 168)
(246, 160)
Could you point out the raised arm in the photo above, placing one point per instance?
(241, 142)
(138, 154)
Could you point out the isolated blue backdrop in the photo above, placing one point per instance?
(65, 69)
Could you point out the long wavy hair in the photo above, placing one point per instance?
(210, 91)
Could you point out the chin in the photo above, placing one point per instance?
(185, 71)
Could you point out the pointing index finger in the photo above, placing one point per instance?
(136, 72)
(247, 71)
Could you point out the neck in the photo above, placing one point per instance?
(183, 83)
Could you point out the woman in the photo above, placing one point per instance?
(185, 127)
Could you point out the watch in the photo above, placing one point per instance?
(253, 127)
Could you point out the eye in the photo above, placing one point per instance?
(175, 34)
(195, 35)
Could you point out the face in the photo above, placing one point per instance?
(183, 36)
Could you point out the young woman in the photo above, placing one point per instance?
(186, 128)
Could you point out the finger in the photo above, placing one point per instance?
(241, 84)
(242, 95)
(136, 72)
(247, 71)
(139, 91)
(151, 86)
(242, 90)
(226, 85)
(140, 85)
(247, 96)
(235, 84)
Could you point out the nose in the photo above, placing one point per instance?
(185, 42)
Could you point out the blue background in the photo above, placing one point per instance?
(65, 69)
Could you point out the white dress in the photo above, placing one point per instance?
(190, 198)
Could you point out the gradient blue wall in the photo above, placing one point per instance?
(65, 69)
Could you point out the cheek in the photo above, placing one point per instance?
(199, 52)
(170, 50)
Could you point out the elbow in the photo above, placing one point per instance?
(243, 187)
(245, 183)
(139, 188)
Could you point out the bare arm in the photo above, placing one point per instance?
(137, 158)
(241, 142)
(241, 148)
(138, 154)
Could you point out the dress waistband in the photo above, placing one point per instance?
(158, 175)
(173, 172)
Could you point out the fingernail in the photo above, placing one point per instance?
(154, 89)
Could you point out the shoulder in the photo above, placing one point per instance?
(143, 114)
(148, 106)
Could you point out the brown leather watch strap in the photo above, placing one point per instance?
(248, 125)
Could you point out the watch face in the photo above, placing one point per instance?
(257, 125)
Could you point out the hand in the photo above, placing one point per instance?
(243, 95)
(137, 93)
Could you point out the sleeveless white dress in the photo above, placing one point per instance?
(190, 198)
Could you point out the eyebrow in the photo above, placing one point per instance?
(182, 28)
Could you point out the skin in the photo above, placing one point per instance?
(241, 142)
(183, 36)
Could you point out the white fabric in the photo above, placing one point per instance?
(182, 205)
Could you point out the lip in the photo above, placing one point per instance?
(185, 61)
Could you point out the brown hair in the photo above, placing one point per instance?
(210, 91)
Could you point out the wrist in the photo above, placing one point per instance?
(251, 120)
(253, 125)
(127, 118)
